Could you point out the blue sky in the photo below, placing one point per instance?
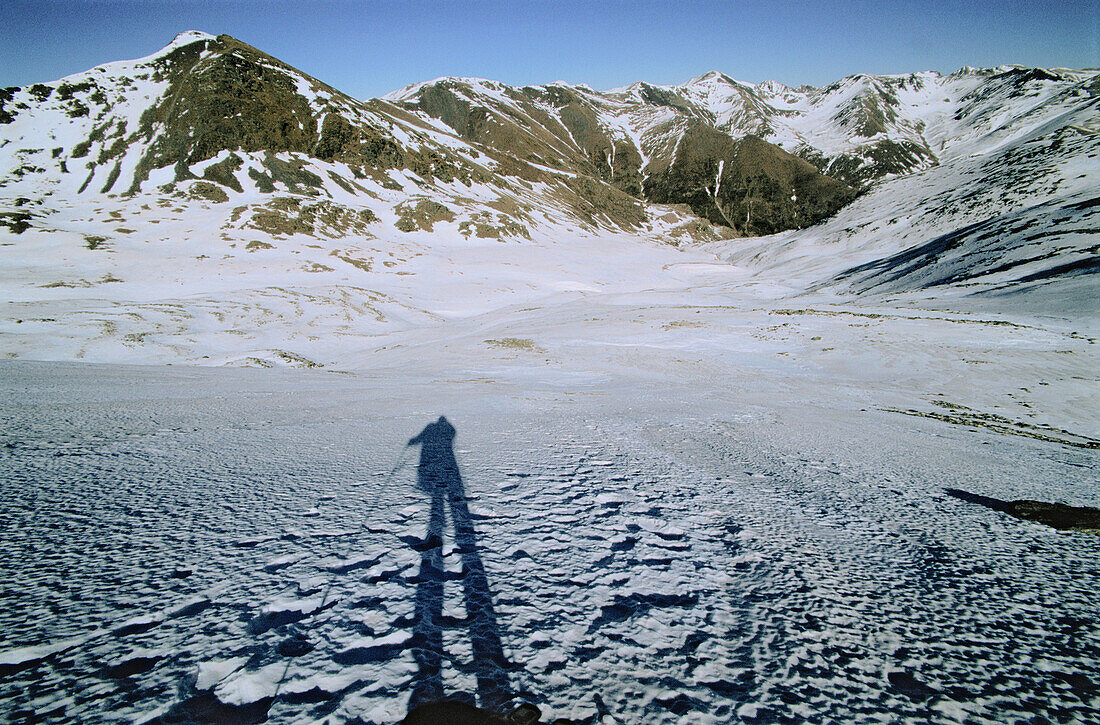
(369, 48)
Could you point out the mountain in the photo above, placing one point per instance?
(211, 202)
(716, 143)
(652, 144)
(220, 111)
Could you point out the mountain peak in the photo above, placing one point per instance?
(710, 78)
(190, 36)
(185, 38)
(409, 92)
(772, 88)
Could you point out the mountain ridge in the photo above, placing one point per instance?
(214, 171)
(855, 131)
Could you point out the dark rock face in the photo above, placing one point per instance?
(6, 94)
(461, 713)
(338, 137)
(871, 113)
(877, 160)
(615, 162)
(227, 95)
(571, 139)
(761, 189)
(512, 134)
(593, 202)
(234, 99)
(663, 97)
(1057, 515)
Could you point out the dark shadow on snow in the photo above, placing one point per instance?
(990, 503)
(438, 477)
(1057, 515)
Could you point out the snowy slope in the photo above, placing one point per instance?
(664, 539)
(1016, 219)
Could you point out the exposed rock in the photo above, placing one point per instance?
(422, 215)
(749, 185)
(1057, 515)
(461, 713)
(283, 216)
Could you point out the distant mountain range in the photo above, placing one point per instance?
(236, 145)
(753, 158)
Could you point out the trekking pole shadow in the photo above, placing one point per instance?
(438, 477)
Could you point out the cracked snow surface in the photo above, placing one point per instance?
(240, 544)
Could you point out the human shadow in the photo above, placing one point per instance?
(439, 478)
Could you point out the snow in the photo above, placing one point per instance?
(664, 540)
(214, 671)
(24, 655)
(700, 487)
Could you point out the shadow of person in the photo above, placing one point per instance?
(439, 478)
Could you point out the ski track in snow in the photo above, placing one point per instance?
(259, 534)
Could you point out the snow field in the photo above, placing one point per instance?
(654, 552)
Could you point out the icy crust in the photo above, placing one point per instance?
(655, 551)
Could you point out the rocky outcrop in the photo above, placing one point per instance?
(746, 184)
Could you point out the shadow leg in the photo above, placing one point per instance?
(489, 662)
(427, 639)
